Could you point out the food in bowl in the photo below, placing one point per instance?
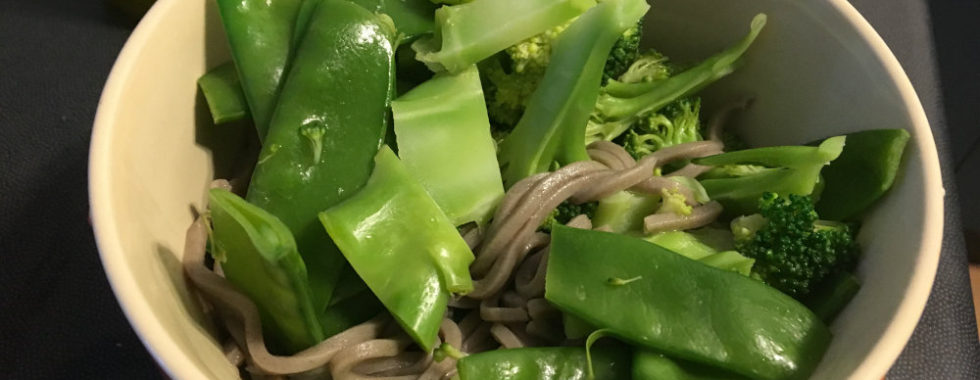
(550, 184)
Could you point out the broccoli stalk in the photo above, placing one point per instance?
(553, 127)
(644, 97)
(444, 140)
(510, 78)
(654, 106)
(793, 249)
(693, 245)
(471, 32)
(741, 177)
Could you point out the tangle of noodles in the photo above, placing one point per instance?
(507, 306)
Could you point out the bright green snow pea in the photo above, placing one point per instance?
(689, 310)
(865, 170)
(443, 135)
(258, 256)
(412, 18)
(552, 128)
(469, 33)
(261, 34)
(404, 247)
(649, 365)
(330, 121)
(546, 363)
(223, 92)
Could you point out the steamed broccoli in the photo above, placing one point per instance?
(741, 177)
(793, 249)
(623, 104)
(552, 129)
(510, 77)
(677, 123)
(650, 107)
(567, 211)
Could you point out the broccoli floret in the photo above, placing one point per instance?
(677, 123)
(740, 178)
(648, 67)
(568, 210)
(625, 103)
(673, 201)
(624, 53)
(793, 249)
(649, 108)
(552, 129)
(510, 77)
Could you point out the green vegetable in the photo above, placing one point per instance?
(545, 363)
(258, 255)
(865, 170)
(648, 67)
(412, 18)
(682, 308)
(471, 32)
(444, 141)
(321, 142)
(622, 104)
(688, 244)
(677, 123)
(624, 211)
(403, 246)
(352, 310)
(624, 53)
(566, 211)
(649, 365)
(784, 170)
(553, 127)
(830, 297)
(223, 93)
(261, 34)
(794, 250)
(510, 77)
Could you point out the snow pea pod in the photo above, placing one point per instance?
(865, 170)
(403, 247)
(546, 363)
(258, 255)
(223, 92)
(330, 121)
(649, 365)
(261, 34)
(654, 298)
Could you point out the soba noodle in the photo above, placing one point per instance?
(507, 306)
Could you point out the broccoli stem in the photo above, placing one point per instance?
(553, 127)
(443, 135)
(792, 170)
(471, 32)
(627, 100)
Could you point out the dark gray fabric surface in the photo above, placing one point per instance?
(944, 345)
(58, 317)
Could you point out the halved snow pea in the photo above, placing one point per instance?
(402, 245)
(259, 257)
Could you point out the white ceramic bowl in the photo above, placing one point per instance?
(817, 70)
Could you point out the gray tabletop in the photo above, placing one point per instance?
(58, 317)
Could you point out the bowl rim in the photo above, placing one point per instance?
(178, 364)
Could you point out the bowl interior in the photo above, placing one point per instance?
(816, 71)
